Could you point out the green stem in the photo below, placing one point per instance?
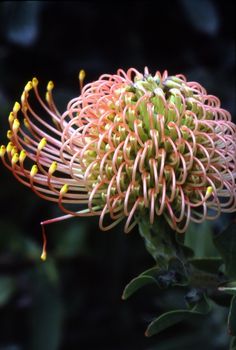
(160, 241)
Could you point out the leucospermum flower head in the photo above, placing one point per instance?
(131, 145)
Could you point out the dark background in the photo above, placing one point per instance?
(73, 301)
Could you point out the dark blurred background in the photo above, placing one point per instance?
(73, 300)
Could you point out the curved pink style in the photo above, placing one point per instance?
(131, 144)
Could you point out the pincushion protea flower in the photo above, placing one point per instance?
(130, 145)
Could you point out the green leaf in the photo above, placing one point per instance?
(136, 284)
(225, 242)
(172, 317)
(7, 288)
(210, 264)
(232, 317)
(166, 320)
(146, 277)
(228, 287)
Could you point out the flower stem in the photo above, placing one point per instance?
(160, 241)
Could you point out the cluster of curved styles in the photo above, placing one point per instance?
(130, 145)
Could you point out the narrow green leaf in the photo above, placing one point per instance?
(136, 284)
(166, 320)
(146, 277)
(232, 317)
(153, 271)
(228, 287)
(172, 317)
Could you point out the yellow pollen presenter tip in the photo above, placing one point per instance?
(82, 75)
(28, 86)
(22, 155)
(43, 256)
(209, 191)
(16, 125)
(16, 107)
(35, 82)
(42, 144)
(50, 86)
(53, 168)
(64, 189)
(33, 170)
(2, 151)
(11, 117)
